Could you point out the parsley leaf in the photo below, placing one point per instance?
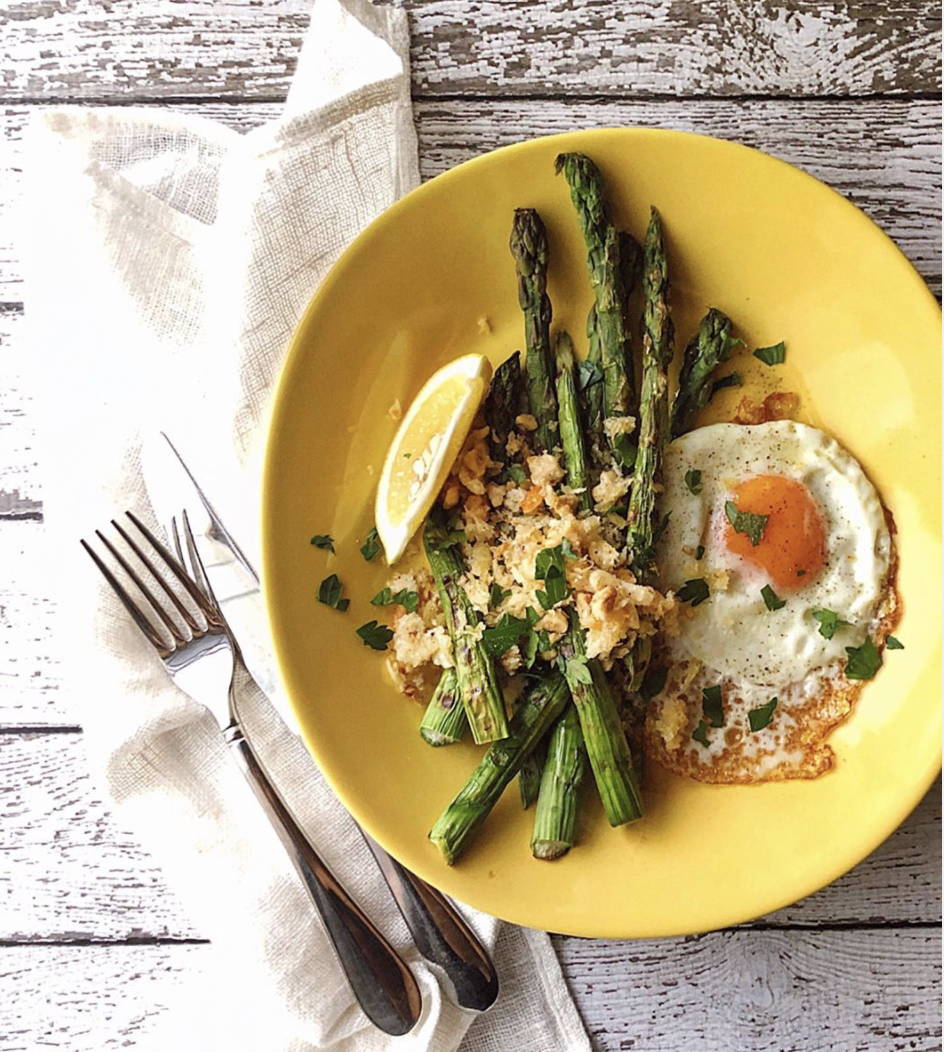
(775, 355)
(864, 661)
(407, 599)
(322, 540)
(549, 568)
(440, 537)
(693, 481)
(329, 593)
(759, 718)
(497, 594)
(700, 733)
(731, 380)
(370, 549)
(829, 621)
(375, 635)
(517, 473)
(653, 682)
(577, 671)
(711, 705)
(694, 591)
(771, 600)
(894, 644)
(746, 522)
(505, 633)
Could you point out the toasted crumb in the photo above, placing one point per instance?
(526, 422)
(749, 412)
(781, 405)
(545, 469)
(611, 489)
(395, 410)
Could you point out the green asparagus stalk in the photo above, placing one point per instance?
(603, 734)
(501, 405)
(461, 819)
(708, 348)
(529, 247)
(555, 818)
(657, 348)
(529, 777)
(571, 430)
(477, 682)
(610, 327)
(444, 721)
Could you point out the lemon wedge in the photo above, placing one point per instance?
(426, 445)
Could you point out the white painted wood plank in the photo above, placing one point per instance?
(761, 991)
(744, 991)
(68, 870)
(93, 49)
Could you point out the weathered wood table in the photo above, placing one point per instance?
(92, 940)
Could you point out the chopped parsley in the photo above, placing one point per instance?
(894, 644)
(536, 643)
(694, 591)
(497, 594)
(775, 355)
(700, 733)
(759, 718)
(693, 481)
(577, 671)
(746, 522)
(407, 599)
(329, 593)
(374, 635)
(771, 600)
(370, 549)
(440, 538)
(829, 621)
(322, 540)
(506, 632)
(863, 661)
(653, 682)
(731, 380)
(517, 473)
(700, 552)
(711, 705)
(549, 568)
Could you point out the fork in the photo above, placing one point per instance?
(384, 986)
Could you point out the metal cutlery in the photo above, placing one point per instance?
(186, 626)
(439, 931)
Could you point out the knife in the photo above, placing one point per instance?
(439, 931)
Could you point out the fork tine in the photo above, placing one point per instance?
(176, 536)
(199, 570)
(189, 619)
(166, 619)
(174, 566)
(149, 631)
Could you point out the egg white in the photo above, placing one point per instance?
(733, 632)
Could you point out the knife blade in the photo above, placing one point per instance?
(439, 931)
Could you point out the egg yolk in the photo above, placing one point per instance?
(792, 550)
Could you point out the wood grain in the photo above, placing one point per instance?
(88, 50)
(69, 871)
(764, 991)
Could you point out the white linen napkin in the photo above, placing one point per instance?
(168, 260)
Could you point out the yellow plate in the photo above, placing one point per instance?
(431, 279)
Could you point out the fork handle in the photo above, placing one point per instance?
(382, 983)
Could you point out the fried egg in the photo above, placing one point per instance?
(775, 522)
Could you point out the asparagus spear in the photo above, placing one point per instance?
(444, 721)
(603, 733)
(501, 404)
(571, 432)
(475, 672)
(555, 818)
(708, 348)
(657, 348)
(610, 327)
(529, 247)
(529, 778)
(462, 818)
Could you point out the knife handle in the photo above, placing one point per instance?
(382, 983)
(441, 934)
